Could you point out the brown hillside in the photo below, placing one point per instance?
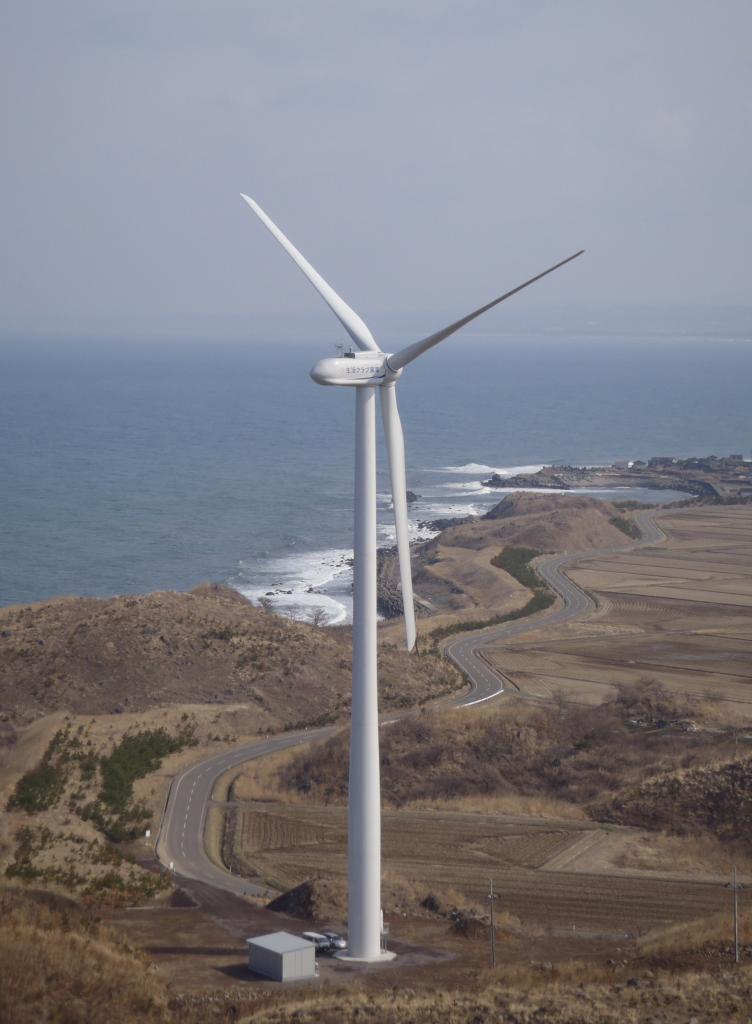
(715, 798)
(581, 757)
(548, 522)
(60, 965)
(453, 575)
(93, 656)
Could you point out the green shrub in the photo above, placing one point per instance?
(41, 787)
(542, 599)
(134, 757)
(626, 526)
(38, 790)
(516, 561)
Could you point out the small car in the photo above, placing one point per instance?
(321, 942)
(336, 940)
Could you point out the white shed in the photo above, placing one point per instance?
(282, 956)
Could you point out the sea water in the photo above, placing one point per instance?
(127, 467)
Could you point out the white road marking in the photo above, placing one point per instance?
(465, 656)
(480, 700)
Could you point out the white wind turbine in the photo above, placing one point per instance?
(367, 370)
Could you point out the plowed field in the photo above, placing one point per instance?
(438, 852)
(679, 613)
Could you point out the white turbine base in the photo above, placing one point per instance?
(384, 956)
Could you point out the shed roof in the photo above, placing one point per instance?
(280, 942)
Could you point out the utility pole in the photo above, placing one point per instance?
(492, 897)
(735, 886)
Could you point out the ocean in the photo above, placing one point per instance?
(131, 467)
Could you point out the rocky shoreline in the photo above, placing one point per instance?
(709, 476)
(713, 478)
(570, 478)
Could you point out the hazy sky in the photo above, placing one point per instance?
(423, 155)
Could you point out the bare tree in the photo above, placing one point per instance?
(318, 617)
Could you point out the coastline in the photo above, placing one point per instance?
(317, 585)
(323, 590)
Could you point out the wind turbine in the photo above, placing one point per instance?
(367, 370)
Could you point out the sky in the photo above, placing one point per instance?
(424, 156)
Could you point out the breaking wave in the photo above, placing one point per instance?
(296, 585)
(477, 468)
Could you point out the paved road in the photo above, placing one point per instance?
(180, 844)
(467, 651)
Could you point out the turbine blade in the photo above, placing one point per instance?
(395, 446)
(400, 359)
(346, 316)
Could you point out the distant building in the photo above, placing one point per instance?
(661, 460)
(706, 464)
(282, 956)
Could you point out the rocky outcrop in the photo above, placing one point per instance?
(530, 481)
(388, 587)
(560, 478)
(437, 525)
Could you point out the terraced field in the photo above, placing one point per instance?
(443, 852)
(679, 613)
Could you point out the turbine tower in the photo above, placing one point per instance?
(367, 370)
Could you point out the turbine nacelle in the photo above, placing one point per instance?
(354, 369)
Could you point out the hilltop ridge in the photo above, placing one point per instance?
(452, 572)
(208, 646)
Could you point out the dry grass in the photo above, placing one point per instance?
(58, 965)
(62, 845)
(694, 935)
(213, 832)
(454, 574)
(209, 646)
(260, 780)
(82, 974)
(695, 855)
(567, 755)
(263, 780)
(509, 805)
(215, 727)
(529, 996)
(715, 797)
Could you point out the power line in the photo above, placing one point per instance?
(734, 885)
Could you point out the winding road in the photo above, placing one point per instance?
(180, 842)
(467, 651)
